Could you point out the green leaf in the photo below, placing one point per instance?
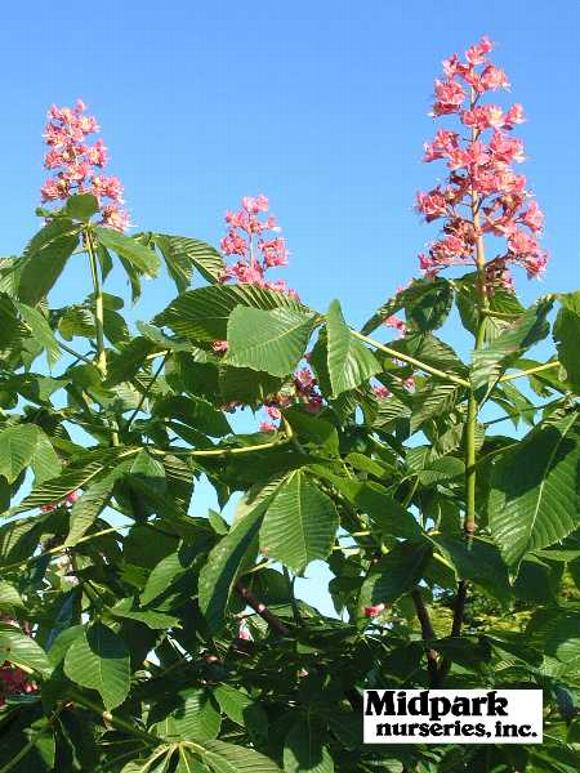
(195, 412)
(188, 715)
(82, 207)
(567, 336)
(350, 363)
(182, 255)
(21, 650)
(138, 255)
(431, 298)
(271, 341)
(432, 402)
(535, 500)
(17, 447)
(45, 461)
(556, 632)
(502, 301)
(203, 314)
(100, 661)
(44, 259)
(300, 523)
(397, 573)
(230, 557)
(89, 506)
(304, 749)
(223, 757)
(164, 574)
(233, 702)
(9, 597)
(489, 363)
(432, 351)
(40, 330)
(157, 621)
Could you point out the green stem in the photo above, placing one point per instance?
(412, 360)
(99, 305)
(118, 722)
(99, 319)
(530, 371)
(146, 391)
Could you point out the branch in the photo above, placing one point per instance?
(458, 613)
(261, 609)
(412, 361)
(428, 634)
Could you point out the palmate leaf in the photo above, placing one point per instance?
(40, 330)
(535, 492)
(490, 362)
(140, 257)
(271, 341)
(21, 650)
(99, 660)
(45, 257)
(397, 573)
(203, 314)
(350, 363)
(74, 476)
(304, 749)
(17, 446)
(502, 301)
(300, 523)
(222, 757)
(189, 714)
(567, 336)
(89, 506)
(183, 254)
(232, 555)
(426, 301)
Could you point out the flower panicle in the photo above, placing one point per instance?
(76, 164)
(483, 193)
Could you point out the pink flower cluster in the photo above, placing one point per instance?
(253, 239)
(14, 681)
(374, 610)
(70, 499)
(77, 165)
(304, 391)
(257, 251)
(483, 194)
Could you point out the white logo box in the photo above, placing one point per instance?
(453, 716)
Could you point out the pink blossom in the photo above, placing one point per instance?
(274, 412)
(255, 204)
(381, 392)
(220, 347)
(514, 116)
(267, 426)
(374, 610)
(394, 322)
(432, 204)
(477, 54)
(409, 383)
(533, 217)
(449, 96)
(493, 78)
(274, 252)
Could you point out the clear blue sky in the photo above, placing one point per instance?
(320, 105)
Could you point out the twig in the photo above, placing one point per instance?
(261, 609)
(428, 634)
(458, 612)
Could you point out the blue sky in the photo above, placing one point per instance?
(322, 106)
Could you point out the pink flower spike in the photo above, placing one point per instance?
(267, 426)
(381, 392)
